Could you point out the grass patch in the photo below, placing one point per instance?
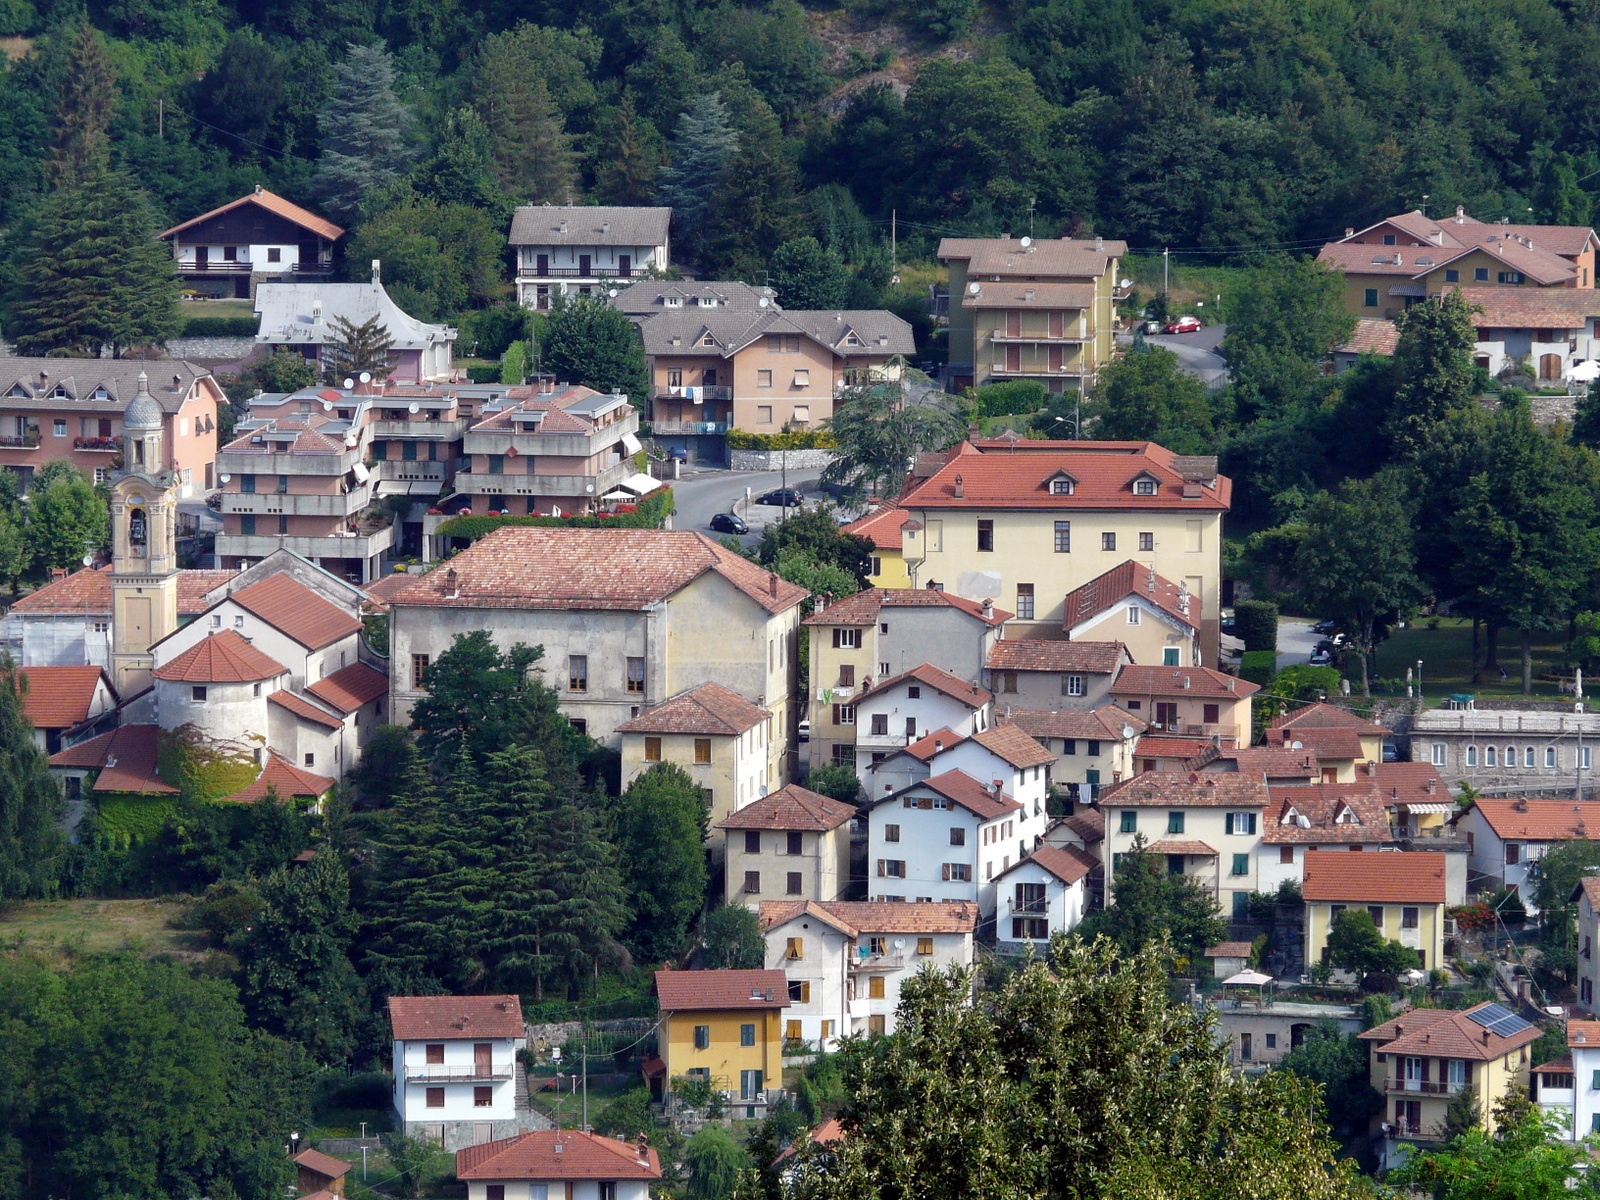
(98, 925)
(1192, 281)
(1446, 654)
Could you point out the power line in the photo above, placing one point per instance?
(178, 112)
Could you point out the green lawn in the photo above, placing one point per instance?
(98, 925)
(190, 310)
(1446, 655)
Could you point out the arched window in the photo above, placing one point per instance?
(1472, 756)
(1488, 756)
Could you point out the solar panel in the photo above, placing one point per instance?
(1499, 1021)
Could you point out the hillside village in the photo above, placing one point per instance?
(574, 635)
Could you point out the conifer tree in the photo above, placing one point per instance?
(356, 348)
(661, 829)
(630, 156)
(529, 147)
(701, 152)
(365, 131)
(755, 205)
(31, 842)
(84, 104)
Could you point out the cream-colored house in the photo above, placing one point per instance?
(1307, 820)
(1403, 892)
(793, 844)
(717, 736)
(1023, 524)
(1093, 749)
(1338, 738)
(1153, 617)
(1192, 701)
(882, 526)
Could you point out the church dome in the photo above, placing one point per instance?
(143, 413)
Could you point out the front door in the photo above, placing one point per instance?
(583, 266)
(1013, 359)
(202, 257)
(1013, 324)
(482, 1058)
(625, 265)
(1245, 1047)
(1550, 366)
(541, 266)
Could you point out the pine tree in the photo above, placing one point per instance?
(630, 158)
(356, 348)
(529, 147)
(1434, 358)
(84, 105)
(660, 830)
(90, 272)
(460, 171)
(365, 131)
(31, 843)
(702, 150)
(755, 206)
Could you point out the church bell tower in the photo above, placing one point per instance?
(144, 545)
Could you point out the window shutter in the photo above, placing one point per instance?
(805, 993)
(946, 870)
(836, 634)
(880, 866)
(1425, 1063)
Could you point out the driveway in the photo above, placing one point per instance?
(1295, 642)
(700, 495)
(1197, 353)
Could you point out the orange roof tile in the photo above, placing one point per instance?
(349, 688)
(859, 917)
(1438, 1033)
(942, 681)
(414, 1018)
(1153, 745)
(554, 1155)
(381, 591)
(940, 740)
(1067, 863)
(1372, 335)
(709, 708)
(1044, 654)
(1320, 716)
(882, 526)
(966, 791)
(1271, 763)
(304, 708)
(1324, 743)
(1230, 950)
(323, 1164)
(284, 778)
(1107, 721)
(1588, 886)
(276, 205)
(791, 808)
(289, 605)
(681, 991)
(1338, 813)
(1012, 744)
(1419, 783)
(1179, 846)
(125, 757)
(1583, 1033)
(225, 657)
(1521, 819)
(59, 697)
(865, 607)
(1407, 877)
(1129, 579)
(1202, 682)
(1089, 825)
(1175, 789)
(88, 593)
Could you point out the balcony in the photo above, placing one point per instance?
(101, 445)
(482, 483)
(223, 267)
(563, 445)
(1028, 908)
(1024, 371)
(1424, 1087)
(438, 431)
(343, 544)
(693, 392)
(264, 462)
(529, 272)
(1405, 1131)
(669, 428)
(292, 504)
(878, 962)
(1043, 339)
(24, 441)
(473, 1074)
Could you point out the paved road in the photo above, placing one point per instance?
(1295, 642)
(1197, 352)
(702, 494)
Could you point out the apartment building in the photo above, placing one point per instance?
(1335, 735)
(1156, 619)
(1305, 820)
(627, 618)
(72, 409)
(255, 239)
(585, 250)
(1507, 748)
(718, 738)
(651, 297)
(1023, 308)
(1565, 1088)
(1404, 893)
(892, 713)
(1009, 519)
(1196, 702)
(791, 843)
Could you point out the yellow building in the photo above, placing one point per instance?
(1153, 617)
(726, 1028)
(1025, 523)
(1031, 309)
(882, 528)
(1424, 1058)
(1338, 738)
(1195, 702)
(1403, 892)
(717, 736)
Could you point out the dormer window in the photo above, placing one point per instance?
(708, 340)
(1061, 484)
(1145, 486)
(708, 302)
(672, 301)
(850, 339)
(1292, 817)
(1347, 816)
(18, 392)
(100, 394)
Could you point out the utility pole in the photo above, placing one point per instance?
(1031, 202)
(1166, 271)
(1577, 688)
(586, 1085)
(161, 116)
(894, 241)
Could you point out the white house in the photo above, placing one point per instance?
(1507, 835)
(1578, 1102)
(1006, 757)
(254, 238)
(905, 766)
(1043, 894)
(585, 250)
(847, 960)
(558, 1164)
(908, 707)
(455, 1066)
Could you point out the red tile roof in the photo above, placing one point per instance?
(1153, 745)
(942, 681)
(1203, 682)
(274, 204)
(1589, 886)
(554, 1155)
(1372, 335)
(1583, 1033)
(1089, 825)
(287, 604)
(349, 688)
(1067, 863)
(1107, 721)
(304, 709)
(1230, 950)
(1439, 1033)
(709, 708)
(1521, 819)
(1324, 743)
(937, 742)
(414, 1018)
(857, 917)
(529, 567)
(966, 791)
(1408, 877)
(1103, 474)
(1416, 782)
(1179, 846)
(1129, 579)
(882, 525)
(381, 591)
(865, 607)
(87, 593)
(1012, 744)
(1361, 805)
(224, 657)
(1043, 654)
(1176, 789)
(1320, 716)
(283, 778)
(59, 697)
(791, 808)
(681, 991)
(323, 1164)
(1273, 764)
(125, 757)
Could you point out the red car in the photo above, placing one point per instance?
(1185, 325)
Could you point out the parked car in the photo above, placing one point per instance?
(729, 523)
(1154, 327)
(805, 731)
(677, 452)
(1228, 622)
(1185, 325)
(1391, 752)
(1325, 627)
(781, 498)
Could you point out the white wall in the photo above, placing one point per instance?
(414, 1075)
(931, 712)
(230, 712)
(582, 1189)
(1064, 903)
(924, 846)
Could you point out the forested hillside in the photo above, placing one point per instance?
(1218, 124)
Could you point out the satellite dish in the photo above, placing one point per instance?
(899, 943)
(612, 293)
(974, 288)
(327, 406)
(763, 302)
(1127, 732)
(415, 407)
(1026, 242)
(366, 377)
(350, 441)
(225, 478)
(1297, 745)
(88, 560)
(349, 383)
(1126, 283)
(588, 487)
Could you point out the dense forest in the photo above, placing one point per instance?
(1201, 124)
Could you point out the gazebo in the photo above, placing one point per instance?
(1248, 979)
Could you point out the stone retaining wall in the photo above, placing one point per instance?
(776, 460)
(211, 347)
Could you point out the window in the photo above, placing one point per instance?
(283, 524)
(844, 714)
(924, 945)
(752, 883)
(1436, 754)
(956, 872)
(958, 836)
(1451, 275)
(702, 751)
(1241, 865)
(1133, 614)
(1108, 541)
(435, 1097)
(1408, 918)
(802, 414)
(608, 1190)
(1513, 854)
(1170, 656)
(274, 254)
(1063, 537)
(247, 525)
(1472, 756)
(892, 868)
(1241, 907)
(752, 841)
(1130, 821)
(1025, 601)
(1369, 298)
(794, 884)
(198, 694)
(652, 752)
(891, 833)
(636, 675)
(497, 464)
(1007, 681)
(1210, 714)
(702, 1037)
(783, 343)
(1481, 274)
(1583, 756)
(1241, 823)
(875, 989)
(1375, 911)
(985, 535)
(913, 692)
(1286, 855)
(1061, 487)
(433, 1053)
(847, 639)
(880, 724)
(1145, 487)
(1174, 822)
(1549, 756)
(1092, 749)
(483, 1097)
(763, 414)
(802, 379)
(764, 377)
(247, 483)
(1147, 541)
(311, 760)
(799, 991)
(60, 427)
(1388, 239)
(747, 1035)
(795, 843)
(577, 672)
(1510, 277)
(419, 671)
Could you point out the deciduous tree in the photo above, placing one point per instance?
(808, 277)
(67, 518)
(1434, 363)
(1148, 396)
(660, 823)
(733, 940)
(1152, 905)
(1355, 944)
(879, 434)
(586, 341)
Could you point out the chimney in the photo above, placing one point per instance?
(377, 272)
(1461, 215)
(995, 785)
(563, 226)
(938, 745)
(1485, 1037)
(1399, 1029)
(1187, 682)
(1398, 261)
(605, 226)
(1521, 805)
(1028, 294)
(1099, 242)
(772, 582)
(452, 584)
(988, 609)
(1349, 231)
(961, 488)
(1431, 787)
(1438, 237)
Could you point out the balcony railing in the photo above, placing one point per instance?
(878, 962)
(214, 268)
(1029, 908)
(26, 441)
(225, 267)
(714, 391)
(1023, 370)
(1426, 1087)
(437, 1074)
(1053, 339)
(668, 428)
(531, 271)
(1409, 1132)
(104, 445)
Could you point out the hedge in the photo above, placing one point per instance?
(800, 439)
(650, 513)
(1255, 622)
(128, 818)
(198, 327)
(1258, 666)
(489, 373)
(1009, 399)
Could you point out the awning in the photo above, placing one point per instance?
(1248, 979)
(640, 485)
(619, 494)
(359, 470)
(401, 487)
(1408, 289)
(631, 443)
(1417, 809)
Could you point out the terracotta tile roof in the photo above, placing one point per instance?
(941, 681)
(1556, 1066)
(125, 757)
(304, 708)
(1366, 816)
(59, 697)
(555, 1155)
(1103, 478)
(1355, 259)
(1090, 825)
(528, 567)
(966, 791)
(1436, 1033)
(554, 417)
(284, 778)
(1521, 819)
(1589, 887)
(791, 808)
(274, 204)
(1321, 716)
(1372, 335)
(414, 1018)
(1230, 950)
(88, 593)
(1067, 863)
(1419, 783)
(1583, 1033)
(1011, 743)
(323, 1164)
(681, 991)
(1203, 682)
(287, 604)
(882, 525)
(1153, 745)
(1106, 591)
(1180, 846)
(349, 688)
(1021, 294)
(381, 591)
(224, 657)
(1271, 763)
(709, 708)
(865, 607)
(1174, 789)
(1043, 654)
(1407, 877)
(1323, 743)
(1107, 721)
(937, 742)
(1046, 258)
(857, 918)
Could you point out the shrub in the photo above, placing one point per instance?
(798, 439)
(129, 818)
(649, 513)
(1007, 399)
(1258, 666)
(1256, 624)
(219, 327)
(488, 373)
